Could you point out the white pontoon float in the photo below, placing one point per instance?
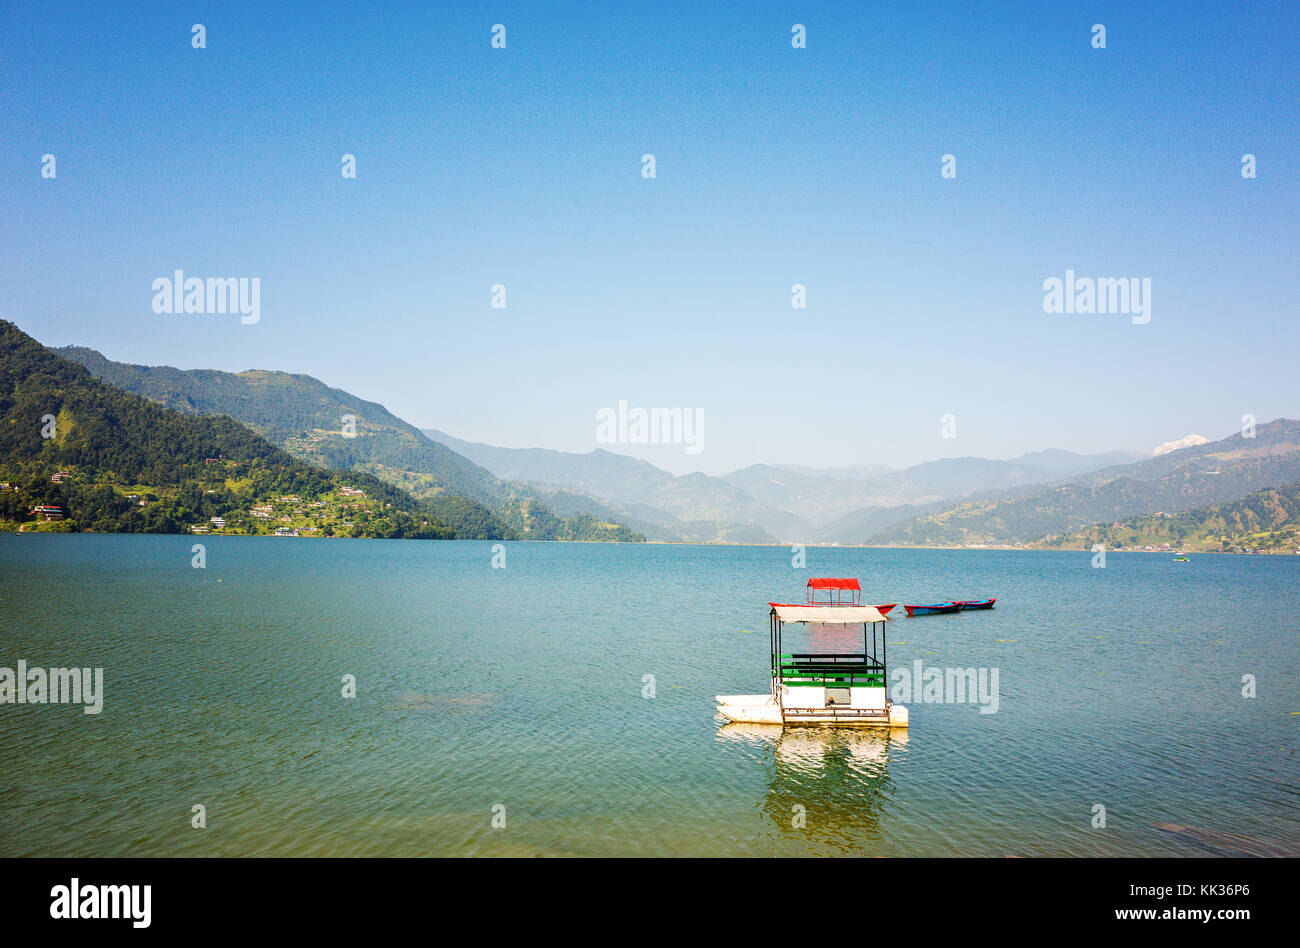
(818, 688)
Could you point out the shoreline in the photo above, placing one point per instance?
(699, 543)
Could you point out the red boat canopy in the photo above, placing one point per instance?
(828, 583)
(837, 591)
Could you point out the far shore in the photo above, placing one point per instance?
(720, 543)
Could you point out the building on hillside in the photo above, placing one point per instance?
(48, 512)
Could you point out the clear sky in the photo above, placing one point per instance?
(774, 165)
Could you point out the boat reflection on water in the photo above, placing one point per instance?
(833, 781)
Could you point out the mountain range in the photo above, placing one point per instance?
(472, 489)
(1195, 476)
(773, 503)
(78, 454)
(1263, 521)
(330, 428)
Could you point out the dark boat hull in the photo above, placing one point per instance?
(977, 604)
(937, 609)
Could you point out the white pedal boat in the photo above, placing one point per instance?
(821, 688)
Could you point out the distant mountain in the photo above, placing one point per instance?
(1265, 521)
(852, 472)
(770, 503)
(854, 528)
(93, 457)
(946, 479)
(692, 507)
(819, 496)
(813, 497)
(1193, 476)
(597, 472)
(1190, 441)
(1069, 464)
(332, 428)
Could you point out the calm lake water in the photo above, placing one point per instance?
(522, 687)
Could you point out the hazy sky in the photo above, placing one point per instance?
(774, 166)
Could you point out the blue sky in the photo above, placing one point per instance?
(775, 166)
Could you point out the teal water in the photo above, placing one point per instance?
(523, 687)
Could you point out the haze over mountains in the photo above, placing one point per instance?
(766, 502)
(949, 502)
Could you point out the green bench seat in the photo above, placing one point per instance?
(833, 682)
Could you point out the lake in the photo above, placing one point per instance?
(519, 694)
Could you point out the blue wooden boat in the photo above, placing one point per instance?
(935, 609)
(976, 604)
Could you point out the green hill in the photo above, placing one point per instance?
(1265, 521)
(112, 461)
(332, 428)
